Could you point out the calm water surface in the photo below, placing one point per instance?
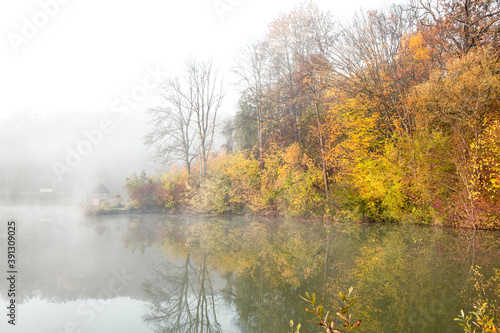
(162, 273)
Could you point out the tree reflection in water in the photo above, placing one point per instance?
(262, 264)
(181, 299)
(412, 275)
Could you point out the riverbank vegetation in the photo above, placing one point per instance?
(392, 116)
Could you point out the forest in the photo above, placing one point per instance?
(392, 115)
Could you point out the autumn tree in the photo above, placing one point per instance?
(460, 25)
(142, 191)
(366, 63)
(463, 103)
(314, 81)
(391, 116)
(272, 78)
(293, 38)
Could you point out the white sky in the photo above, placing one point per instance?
(90, 52)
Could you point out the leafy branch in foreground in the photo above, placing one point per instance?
(297, 329)
(486, 304)
(477, 320)
(328, 322)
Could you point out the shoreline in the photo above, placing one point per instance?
(187, 212)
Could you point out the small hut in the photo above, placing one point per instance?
(100, 195)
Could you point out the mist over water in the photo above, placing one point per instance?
(151, 272)
(69, 153)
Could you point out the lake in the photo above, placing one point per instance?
(166, 273)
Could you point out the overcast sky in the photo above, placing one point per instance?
(76, 54)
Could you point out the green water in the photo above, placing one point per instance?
(194, 274)
(406, 278)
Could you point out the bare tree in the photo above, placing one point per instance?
(183, 129)
(251, 69)
(172, 136)
(204, 98)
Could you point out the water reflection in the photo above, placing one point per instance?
(192, 274)
(182, 299)
(259, 271)
(407, 278)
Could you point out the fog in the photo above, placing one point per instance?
(70, 152)
(64, 78)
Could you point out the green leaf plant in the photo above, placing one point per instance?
(328, 322)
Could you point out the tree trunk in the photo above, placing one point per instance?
(322, 147)
(261, 149)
